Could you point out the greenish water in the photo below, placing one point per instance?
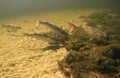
(11, 8)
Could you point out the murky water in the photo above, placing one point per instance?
(21, 7)
(21, 56)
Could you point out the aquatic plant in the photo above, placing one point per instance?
(98, 15)
(109, 62)
(91, 50)
(103, 61)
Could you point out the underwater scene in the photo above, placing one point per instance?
(59, 38)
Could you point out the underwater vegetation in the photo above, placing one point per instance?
(94, 49)
(98, 56)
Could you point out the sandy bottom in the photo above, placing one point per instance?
(21, 57)
(18, 61)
